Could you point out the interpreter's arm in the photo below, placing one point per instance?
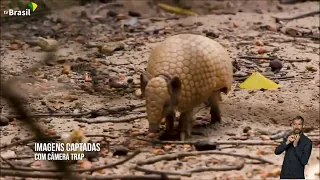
(282, 147)
(304, 154)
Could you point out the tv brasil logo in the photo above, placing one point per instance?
(27, 12)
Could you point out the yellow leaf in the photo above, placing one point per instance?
(258, 81)
(176, 10)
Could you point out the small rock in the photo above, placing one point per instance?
(276, 65)
(134, 14)
(112, 14)
(246, 129)
(204, 145)
(120, 151)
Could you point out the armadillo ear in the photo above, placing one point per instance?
(143, 83)
(174, 87)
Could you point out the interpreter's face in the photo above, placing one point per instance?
(297, 126)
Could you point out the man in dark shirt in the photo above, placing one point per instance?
(298, 149)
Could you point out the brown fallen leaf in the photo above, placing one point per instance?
(265, 137)
(51, 132)
(262, 51)
(135, 133)
(143, 143)
(167, 147)
(249, 174)
(37, 163)
(85, 164)
(70, 97)
(260, 152)
(311, 68)
(258, 43)
(80, 39)
(157, 151)
(66, 69)
(186, 146)
(14, 46)
(101, 171)
(274, 173)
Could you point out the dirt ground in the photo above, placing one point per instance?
(244, 28)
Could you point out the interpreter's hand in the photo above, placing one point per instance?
(296, 141)
(290, 139)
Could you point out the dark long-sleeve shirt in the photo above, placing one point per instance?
(295, 158)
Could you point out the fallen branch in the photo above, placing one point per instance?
(182, 173)
(236, 143)
(189, 172)
(194, 153)
(16, 173)
(239, 165)
(14, 98)
(52, 115)
(270, 77)
(122, 120)
(298, 17)
(95, 113)
(273, 58)
(75, 170)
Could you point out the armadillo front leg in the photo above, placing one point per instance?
(214, 107)
(186, 122)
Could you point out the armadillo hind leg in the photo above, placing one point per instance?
(170, 118)
(207, 102)
(186, 122)
(214, 107)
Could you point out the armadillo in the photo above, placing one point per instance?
(183, 72)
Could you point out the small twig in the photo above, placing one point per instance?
(273, 58)
(217, 142)
(8, 162)
(77, 170)
(195, 153)
(15, 173)
(122, 120)
(181, 173)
